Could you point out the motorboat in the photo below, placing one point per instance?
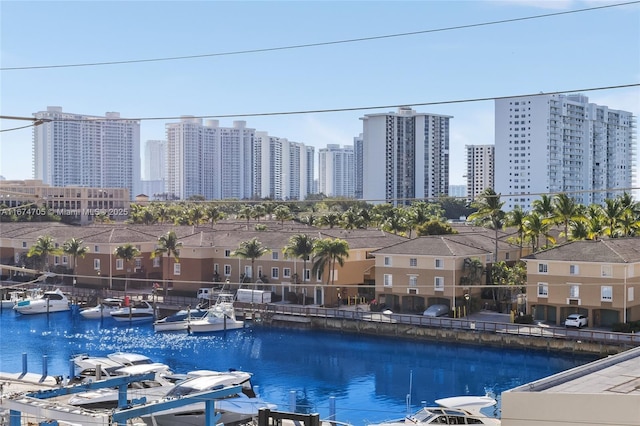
(102, 309)
(179, 321)
(11, 296)
(107, 398)
(137, 311)
(48, 302)
(458, 410)
(234, 409)
(91, 368)
(219, 317)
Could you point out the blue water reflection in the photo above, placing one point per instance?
(370, 376)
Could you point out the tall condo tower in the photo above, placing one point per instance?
(358, 165)
(208, 160)
(480, 169)
(405, 156)
(336, 171)
(83, 150)
(155, 160)
(548, 144)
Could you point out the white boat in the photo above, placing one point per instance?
(219, 317)
(107, 398)
(234, 409)
(458, 410)
(102, 309)
(179, 321)
(48, 302)
(90, 368)
(137, 311)
(11, 296)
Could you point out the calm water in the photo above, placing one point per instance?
(369, 376)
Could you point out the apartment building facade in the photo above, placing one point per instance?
(562, 143)
(598, 278)
(405, 156)
(336, 171)
(72, 149)
(480, 169)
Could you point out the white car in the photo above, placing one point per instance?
(576, 320)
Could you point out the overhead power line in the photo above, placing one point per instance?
(325, 43)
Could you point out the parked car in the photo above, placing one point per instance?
(436, 311)
(576, 320)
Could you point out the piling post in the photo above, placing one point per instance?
(45, 372)
(292, 401)
(24, 364)
(332, 407)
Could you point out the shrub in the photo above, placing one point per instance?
(523, 319)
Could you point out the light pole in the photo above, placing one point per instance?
(466, 298)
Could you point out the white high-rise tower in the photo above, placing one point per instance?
(548, 144)
(336, 171)
(82, 150)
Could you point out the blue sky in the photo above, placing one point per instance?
(572, 51)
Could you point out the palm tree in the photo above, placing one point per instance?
(535, 226)
(252, 249)
(543, 206)
(327, 252)
(42, 249)
(612, 212)
(489, 213)
(74, 248)
(300, 246)
(127, 253)
(282, 213)
(214, 214)
(565, 210)
(516, 218)
(170, 245)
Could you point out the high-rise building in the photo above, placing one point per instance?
(547, 144)
(208, 160)
(405, 156)
(280, 168)
(81, 150)
(357, 158)
(155, 160)
(336, 171)
(480, 167)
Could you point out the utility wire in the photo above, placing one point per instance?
(359, 108)
(326, 43)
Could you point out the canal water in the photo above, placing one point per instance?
(370, 378)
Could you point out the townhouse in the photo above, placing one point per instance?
(597, 278)
(424, 271)
(205, 257)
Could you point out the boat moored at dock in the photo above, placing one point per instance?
(48, 302)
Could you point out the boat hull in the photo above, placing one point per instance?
(32, 307)
(204, 326)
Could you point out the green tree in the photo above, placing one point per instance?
(435, 227)
(516, 219)
(282, 213)
(74, 247)
(43, 248)
(300, 246)
(327, 252)
(127, 253)
(565, 209)
(170, 245)
(489, 214)
(251, 249)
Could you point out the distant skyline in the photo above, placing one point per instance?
(597, 48)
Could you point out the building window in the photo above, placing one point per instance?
(307, 275)
(65, 260)
(119, 264)
(438, 283)
(227, 270)
(227, 253)
(137, 263)
(216, 268)
(574, 291)
(176, 269)
(274, 255)
(413, 262)
(286, 272)
(413, 281)
(24, 244)
(96, 264)
(387, 261)
(275, 272)
(439, 264)
(388, 280)
(156, 262)
(606, 293)
(574, 270)
(96, 249)
(542, 268)
(607, 271)
(543, 290)
(248, 271)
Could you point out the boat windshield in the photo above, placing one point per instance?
(423, 416)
